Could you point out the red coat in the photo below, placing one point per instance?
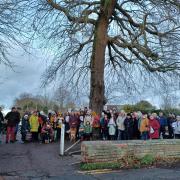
(156, 126)
(73, 121)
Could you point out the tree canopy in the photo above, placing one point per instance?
(143, 106)
(9, 31)
(97, 39)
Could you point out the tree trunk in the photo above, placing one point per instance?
(97, 88)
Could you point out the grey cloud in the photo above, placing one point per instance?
(25, 78)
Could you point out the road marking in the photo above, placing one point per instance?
(100, 171)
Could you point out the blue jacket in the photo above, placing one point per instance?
(25, 126)
(162, 121)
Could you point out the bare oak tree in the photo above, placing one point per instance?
(91, 35)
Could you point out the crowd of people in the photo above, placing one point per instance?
(84, 124)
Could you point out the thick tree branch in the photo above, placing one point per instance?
(69, 16)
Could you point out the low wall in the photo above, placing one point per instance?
(111, 151)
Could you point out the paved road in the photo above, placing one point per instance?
(42, 161)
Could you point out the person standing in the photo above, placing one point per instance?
(112, 128)
(34, 125)
(88, 117)
(144, 127)
(103, 125)
(18, 117)
(163, 124)
(11, 118)
(87, 131)
(170, 120)
(154, 128)
(120, 125)
(129, 124)
(67, 127)
(1, 122)
(176, 127)
(96, 127)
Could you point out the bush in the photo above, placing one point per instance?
(94, 166)
(147, 160)
(132, 161)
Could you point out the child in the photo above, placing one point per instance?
(81, 131)
(87, 130)
(25, 128)
(47, 133)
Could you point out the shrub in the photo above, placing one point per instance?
(147, 160)
(94, 166)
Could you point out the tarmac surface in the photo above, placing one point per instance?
(42, 161)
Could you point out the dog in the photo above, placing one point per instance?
(73, 132)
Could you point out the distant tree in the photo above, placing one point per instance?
(29, 102)
(64, 98)
(143, 106)
(169, 97)
(128, 108)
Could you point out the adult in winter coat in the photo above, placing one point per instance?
(12, 118)
(137, 116)
(96, 128)
(120, 125)
(154, 127)
(163, 124)
(67, 127)
(144, 127)
(1, 122)
(103, 124)
(170, 120)
(1, 119)
(88, 117)
(176, 127)
(129, 124)
(34, 126)
(112, 128)
(18, 116)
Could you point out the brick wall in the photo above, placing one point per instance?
(110, 151)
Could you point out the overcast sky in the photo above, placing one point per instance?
(25, 78)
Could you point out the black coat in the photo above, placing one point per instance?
(13, 118)
(25, 126)
(1, 117)
(129, 125)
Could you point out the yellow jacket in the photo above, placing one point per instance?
(34, 123)
(144, 126)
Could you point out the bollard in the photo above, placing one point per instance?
(61, 148)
